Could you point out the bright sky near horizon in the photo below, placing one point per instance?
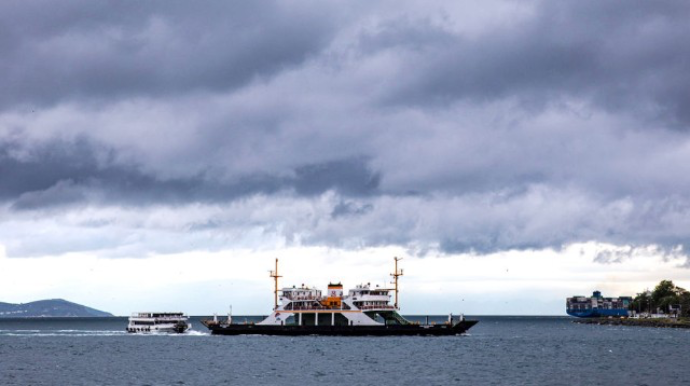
(203, 283)
(158, 155)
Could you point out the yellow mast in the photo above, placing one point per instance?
(397, 273)
(275, 276)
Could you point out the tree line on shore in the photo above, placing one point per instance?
(666, 297)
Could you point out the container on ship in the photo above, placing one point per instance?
(597, 306)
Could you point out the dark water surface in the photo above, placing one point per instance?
(497, 351)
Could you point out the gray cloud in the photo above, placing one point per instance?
(64, 192)
(350, 208)
(619, 55)
(434, 127)
(348, 177)
(103, 51)
(63, 172)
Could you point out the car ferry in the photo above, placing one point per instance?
(176, 322)
(364, 310)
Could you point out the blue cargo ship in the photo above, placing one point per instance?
(597, 306)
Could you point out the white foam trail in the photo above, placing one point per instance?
(90, 331)
(196, 333)
(112, 333)
(95, 333)
(61, 332)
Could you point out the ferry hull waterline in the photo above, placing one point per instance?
(364, 311)
(399, 330)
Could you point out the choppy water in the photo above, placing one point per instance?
(497, 351)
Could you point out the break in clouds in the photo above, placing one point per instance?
(129, 129)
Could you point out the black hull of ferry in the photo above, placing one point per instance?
(392, 330)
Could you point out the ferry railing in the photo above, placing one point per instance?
(317, 308)
(386, 307)
(162, 318)
(302, 297)
(308, 308)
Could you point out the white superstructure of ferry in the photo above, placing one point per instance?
(362, 306)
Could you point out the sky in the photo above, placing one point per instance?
(161, 155)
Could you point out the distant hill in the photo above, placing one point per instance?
(51, 307)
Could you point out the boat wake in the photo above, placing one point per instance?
(61, 333)
(87, 333)
(195, 333)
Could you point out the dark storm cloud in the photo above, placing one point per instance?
(428, 125)
(349, 208)
(103, 50)
(64, 172)
(350, 178)
(622, 55)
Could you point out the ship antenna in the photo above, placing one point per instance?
(397, 273)
(275, 276)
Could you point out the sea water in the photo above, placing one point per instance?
(497, 351)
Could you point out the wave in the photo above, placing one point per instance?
(196, 333)
(88, 331)
(43, 334)
(73, 332)
(61, 332)
(20, 331)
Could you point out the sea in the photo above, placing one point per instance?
(499, 350)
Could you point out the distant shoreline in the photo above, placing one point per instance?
(49, 308)
(635, 322)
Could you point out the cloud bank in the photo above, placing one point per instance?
(165, 127)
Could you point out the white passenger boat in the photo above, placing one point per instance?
(176, 322)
